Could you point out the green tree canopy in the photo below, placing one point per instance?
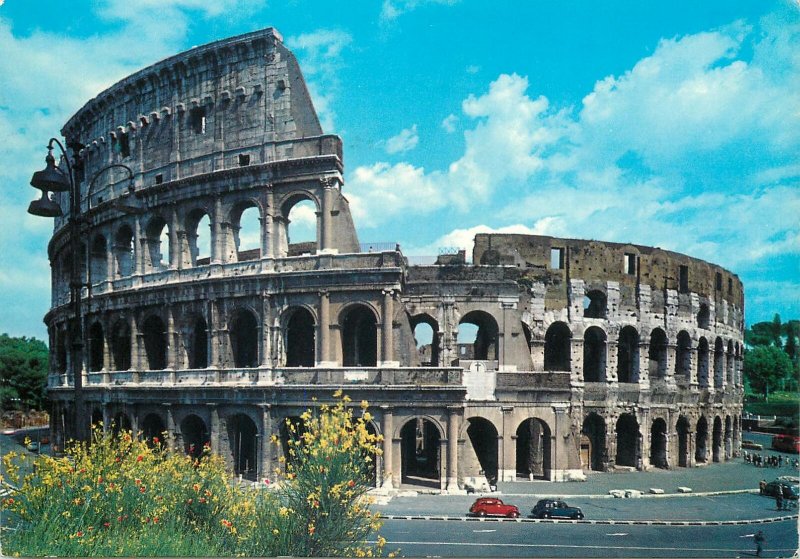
(765, 366)
(23, 372)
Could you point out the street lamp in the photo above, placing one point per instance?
(53, 179)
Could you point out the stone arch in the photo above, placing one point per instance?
(683, 429)
(628, 441)
(297, 246)
(729, 363)
(716, 440)
(244, 337)
(424, 325)
(703, 316)
(719, 363)
(593, 443)
(594, 355)
(359, 326)
(728, 437)
(243, 444)
(246, 218)
(153, 429)
(558, 347)
(484, 347)
(199, 346)
(701, 440)
(121, 346)
(300, 337)
(199, 236)
(194, 435)
(702, 362)
(154, 334)
(628, 355)
(595, 304)
(658, 444)
(98, 259)
(482, 436)
(121, 423)
(657, 354)
(683, 354)
(420, 452)
(97, 347)
(156, 235)
(533, 451)
(124, 251)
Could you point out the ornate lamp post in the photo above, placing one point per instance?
(53, 179)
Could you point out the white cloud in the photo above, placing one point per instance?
(449, 123)
(406, 140)
(392, 9)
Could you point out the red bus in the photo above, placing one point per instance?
(786, 443)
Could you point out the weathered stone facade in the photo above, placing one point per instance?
(587, 355)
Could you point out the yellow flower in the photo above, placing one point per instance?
(338, 393)
(364, 404)
(275, 531)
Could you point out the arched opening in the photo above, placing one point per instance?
(703, 316)
(123, 251)
(729, 356)
(98, 259)
(683, 354)
(121, 423)
(594, 304)
(719, 363)
(628, 443)
(628, 355)
(246, 224)
(701, 438)
(482, 435)
(301, 227)
(153, 430)
(557, 347)
(155, 343)
(243, 441)
(533, 449)
(198, 348)
(300, 339)
(244, 339)
(359, 337)
(716, 440)
(682, 428)
(61, 351)
(702, 362)
(657, 354)
(658, 444)
(97, 418)
(292, 429)
(728, 438)
(157, 239)
(198, 235)
(593, 443)
(96, 347)
(420, 457)
(594, 355)
(121, 346)
(484, 342)
(427, 339)
(194, 435)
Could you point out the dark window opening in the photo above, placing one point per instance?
(718, 282)
(683, 442)
(96, 347)
(593, 443)
(197, 119)
(419, 450)
(657, 354)
(533, 449)
(630, 264)
(594, 355)
(703, 316)
(243, 439)
(719, 363)
(244, 340)
(121, 346)
(658, 444)
(359, 338)
(300, 339)
(244, 160)
(628, 355)
(627, 440)
(198, 358)
(482, 436)
(683, 358)
(730, 285)
(195, 435)
(701, 436)
(155, 343)
(594, 305)
(702, 362)
(683, 279)
(557, 258)
(153, 428)
(159, 178)
(557, 347)
(122, 144)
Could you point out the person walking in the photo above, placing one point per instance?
(762, 486)
(779, 498)
(759, 540)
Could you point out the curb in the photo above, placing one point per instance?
(609, 522)
(642, 496)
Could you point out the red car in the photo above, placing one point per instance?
(489, 506)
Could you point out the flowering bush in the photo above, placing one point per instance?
(120, 497)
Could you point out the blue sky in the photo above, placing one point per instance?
(672, 124)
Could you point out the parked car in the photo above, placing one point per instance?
(489, 506)
(786, 443)
(772, 488)
(550, 508)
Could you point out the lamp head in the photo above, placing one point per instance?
(50, 178)
(45, 207)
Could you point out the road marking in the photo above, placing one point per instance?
(483, 531)
(618, 534)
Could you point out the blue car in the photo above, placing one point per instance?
(550, 508)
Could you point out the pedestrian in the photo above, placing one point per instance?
(779, 498)
(780, 461)
(759, 539)
(787, 497)
(762, 486)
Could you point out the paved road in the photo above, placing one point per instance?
(416, 538)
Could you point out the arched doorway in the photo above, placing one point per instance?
(124, 251)
(533, 449)
(420, 456)
(628, 449)
(292, 429)
(593, 443)
(719, 363)
(121, 423)
(198, 350)
(244, 339)
(246, 226)
(157, 242)
(155, 343)
(97, 419)
(658, 444)
(153, 430)
(716, 440)
(482, 436)
(243, 443)
(702, 362)
(194, 435)
(701, 438)
(728, 438)
(594, 355)
(477, 334)
(683, 355)
(121, 346)
(594, 304)
(426, 336)
(99, 260)
(657, 354)
(359, 337)
(300, 339)
(96, 347)
(682, 428)
(198, 235)
(557, 347)
(628, 355)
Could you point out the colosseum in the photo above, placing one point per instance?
(543, 358)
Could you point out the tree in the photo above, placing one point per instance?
(765, 366)
(23, 372)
